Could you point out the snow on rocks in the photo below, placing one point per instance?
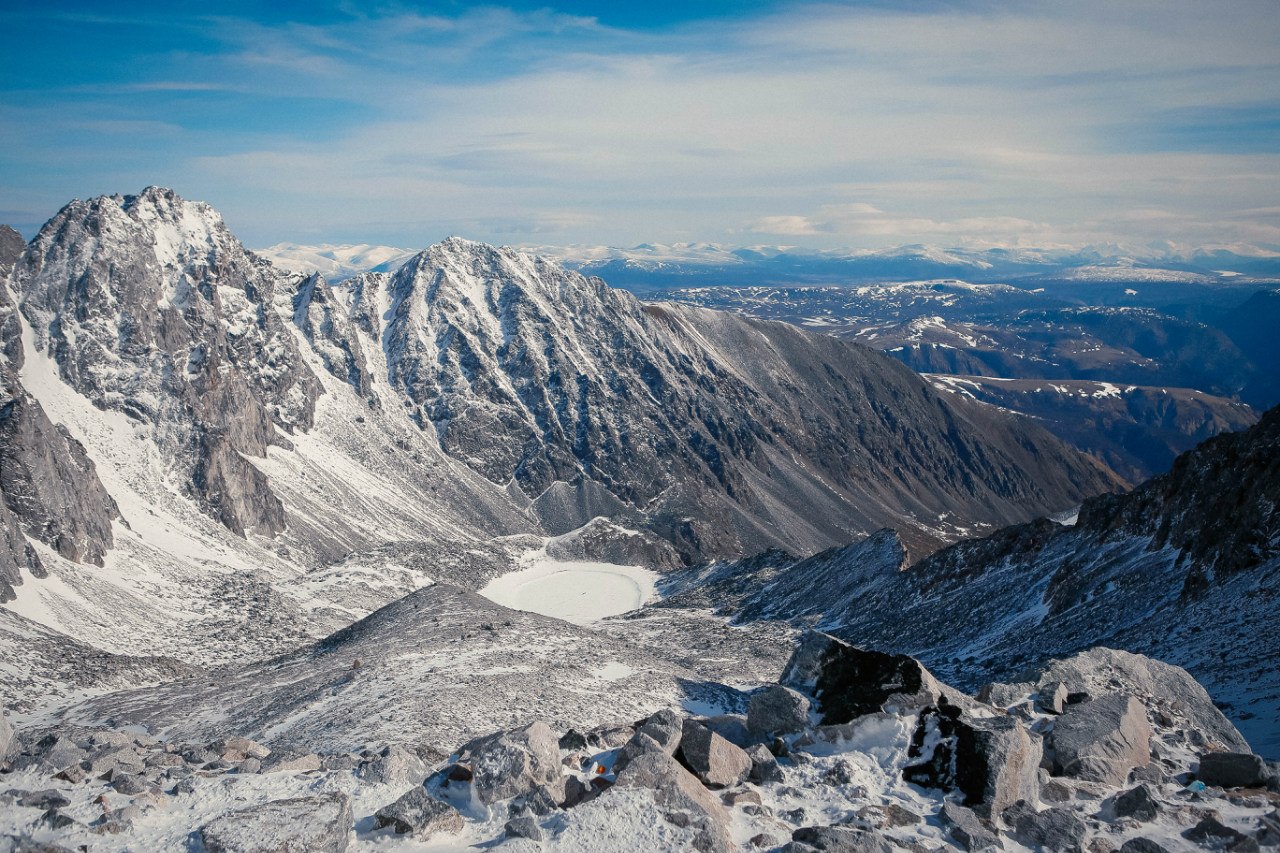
(511, 763)
(320, 824)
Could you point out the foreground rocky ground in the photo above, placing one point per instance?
(851, 750)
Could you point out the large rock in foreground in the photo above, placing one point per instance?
(320, 824)
(515, 762)
(681, 796)
(849, 682)
(992, 761)
(1102, 740)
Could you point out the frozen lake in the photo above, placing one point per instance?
(578, 592)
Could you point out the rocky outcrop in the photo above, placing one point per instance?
(1169, 571)
(325, 321)
(152, 308)
(849, 682)
(992, 761)
(321, 823)
(1102, 740)
(515, 762)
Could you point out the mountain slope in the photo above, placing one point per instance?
(592, 403)
(1185, 568)
(1137, 431)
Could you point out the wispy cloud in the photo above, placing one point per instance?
(839, 124)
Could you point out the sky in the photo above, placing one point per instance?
(858, 124)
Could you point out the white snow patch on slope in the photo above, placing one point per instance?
(576, 591)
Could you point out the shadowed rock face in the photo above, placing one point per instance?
(49, 488)
(151, 307)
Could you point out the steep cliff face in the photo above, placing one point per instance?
(49, 488)
(152, 308)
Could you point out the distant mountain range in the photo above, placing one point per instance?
(651, 266)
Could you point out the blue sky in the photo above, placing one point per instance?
(828, 125)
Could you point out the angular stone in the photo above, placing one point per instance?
(1211, 832)
(718, 763)
(777, 710)
(841, 839)
(964, 827)
(849, 682)
(319, 824)
(764, 766)
(1232, 770)
(1003, 695)
(395, 766)
(1102, 740)
(678, 792)
(6, 735)
(665, 727)
(511, 763)
(240, 748)
(523, 827)
(1057, 828)
(993, 761)
(420, 814)
(1137, 803)
(44, 800)
(1052, 697)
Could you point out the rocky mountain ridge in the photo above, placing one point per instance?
(1183, 568)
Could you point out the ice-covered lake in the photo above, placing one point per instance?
(578, 592)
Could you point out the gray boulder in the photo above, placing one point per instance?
(665, 727)
(1232, 770)
(967, 830)
(1003, 695)
(395, 766)
(1137, 803)
(1102, 740)
(841, 839)
(849, 682)
(1057, 829)
(764, 766)
(6, 735)
(420, 814)
(681, 797)
(993, 761)
(319, 824)
(511, 763)
(1142, 845)
(777, 710)
(523, 827)
(1170, 689)
(718, 763)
